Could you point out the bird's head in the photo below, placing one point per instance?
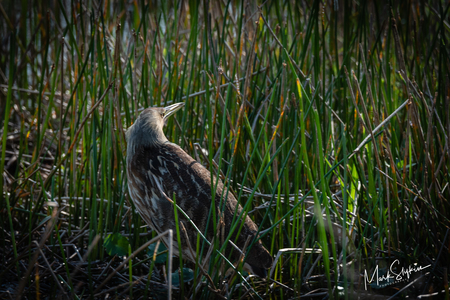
(148, 128)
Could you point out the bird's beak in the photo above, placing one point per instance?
(171, 109)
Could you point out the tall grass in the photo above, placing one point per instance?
(329, 120)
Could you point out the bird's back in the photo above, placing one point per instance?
(168, 168)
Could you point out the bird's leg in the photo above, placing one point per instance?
(221, 229)
(208, 254)
(194, 256)
(241, 257)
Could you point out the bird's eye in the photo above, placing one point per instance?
(162, 115)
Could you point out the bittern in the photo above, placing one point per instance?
(157, 169)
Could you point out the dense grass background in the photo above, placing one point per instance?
(329, 120)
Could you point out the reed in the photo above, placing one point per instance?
(329, 120)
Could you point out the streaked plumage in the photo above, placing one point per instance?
(155, 165)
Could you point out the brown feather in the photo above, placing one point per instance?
(178, 173)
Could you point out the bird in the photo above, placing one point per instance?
(157, 169)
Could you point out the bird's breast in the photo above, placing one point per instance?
(158, 176)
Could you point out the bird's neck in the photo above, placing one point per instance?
(148, 138)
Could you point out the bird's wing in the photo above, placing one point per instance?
(170, 169)
(191, 178)
(169, 174)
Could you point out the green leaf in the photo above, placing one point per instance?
(116, 244)
(188, 275)
(161, 254)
